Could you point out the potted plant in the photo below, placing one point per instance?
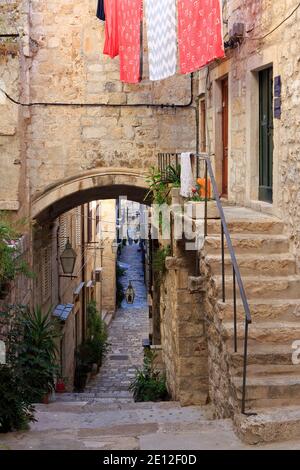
(37, 354)
(196, 204)
(60, 386)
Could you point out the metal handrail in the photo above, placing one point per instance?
(236, 270)
(237, 279)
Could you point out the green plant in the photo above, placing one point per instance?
(11, 261)
(83, 366)
(120, 295)
(29, 372)
(159, 259)
(97, 334)
(93, 349)
(173, 174)
(36, 358)
(16, 410)
(149, 384)
(158, 188)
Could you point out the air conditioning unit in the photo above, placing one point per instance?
(98, 274)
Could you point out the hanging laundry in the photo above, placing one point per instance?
(130, 37)
(200, 33)
(162, 38)
(100, 10)
(111, 45)
(186, 175)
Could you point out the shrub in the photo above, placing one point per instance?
(31, 349)
(97, 333)
(16, 410)
(159, 258)
(11, 261)
(93, 349)
(120, 295)
(149, 384)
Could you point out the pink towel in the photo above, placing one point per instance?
(200, 33)
(130, 20)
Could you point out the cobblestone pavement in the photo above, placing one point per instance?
(126, 332)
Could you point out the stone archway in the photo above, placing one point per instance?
(101, 183)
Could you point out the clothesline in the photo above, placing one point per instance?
(197, 35)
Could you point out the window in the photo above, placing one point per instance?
(63, 232)
(202, 126)
(78, 225)
(90, 223)
(46, 273)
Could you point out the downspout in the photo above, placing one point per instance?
(57, 265)
(83, 272)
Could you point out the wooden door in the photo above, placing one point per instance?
(225, 137)
(266, 135)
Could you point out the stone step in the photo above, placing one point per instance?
(261, 354)
(258, 370)
(255, 244)
(263, 309)
(271, 390)
(265, 265)
(95, 397)
(250, 226)
(266, 332)
(281, 287)
(269, 425)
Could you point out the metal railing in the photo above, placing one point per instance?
(164, 161)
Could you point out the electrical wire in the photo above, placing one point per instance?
(276, 27)
(102, 105)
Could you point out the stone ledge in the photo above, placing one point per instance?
(174, 263)
(9, 205)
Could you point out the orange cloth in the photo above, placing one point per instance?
(202, 184)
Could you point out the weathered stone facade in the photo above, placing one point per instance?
(61, 61)
(183, 338)
(242, 64)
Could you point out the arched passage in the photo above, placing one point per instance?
(95, 270)
(102, 183)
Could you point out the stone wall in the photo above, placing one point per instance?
(10, 146)
(222, 394)
(193, 339)
(242, 64)
(68, 66)
(183, 341)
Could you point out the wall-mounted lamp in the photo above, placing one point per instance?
(68, 259)
(130, 294)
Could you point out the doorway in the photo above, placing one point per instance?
(224, 84)
(266, 135)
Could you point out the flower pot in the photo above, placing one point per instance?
(60, 386)
(45, 399)
(196, 209)
(94, 371)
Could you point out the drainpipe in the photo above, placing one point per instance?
(57, 265)
(83, 272)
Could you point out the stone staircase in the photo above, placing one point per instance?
(272, 286)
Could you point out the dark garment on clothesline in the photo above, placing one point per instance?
(100, 10)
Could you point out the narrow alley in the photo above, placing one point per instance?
(126, 333)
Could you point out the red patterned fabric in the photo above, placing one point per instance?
(111, 45)
(199, 33)
(130, 17)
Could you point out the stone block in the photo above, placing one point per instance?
(196, 284)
